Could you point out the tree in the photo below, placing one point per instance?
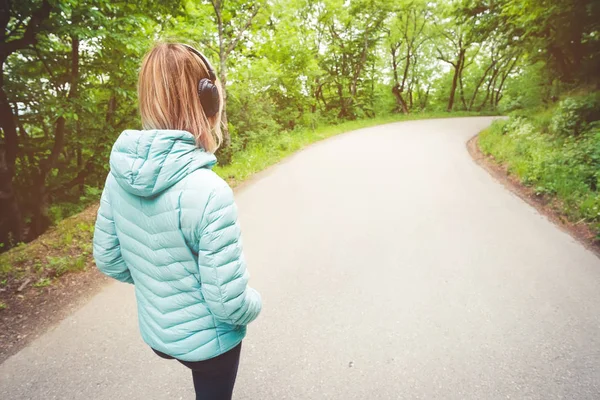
(560, 33)
(55, 85)
(69, 74)
(405, 39)
(348, 38)
(15, 35)
(454, 40)
(221, 26)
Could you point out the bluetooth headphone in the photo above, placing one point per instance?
(207, 89)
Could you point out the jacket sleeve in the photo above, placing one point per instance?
(107, 249)
(223, 274)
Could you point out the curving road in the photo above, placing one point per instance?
(391, 267)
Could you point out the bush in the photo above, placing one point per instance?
(553, 159)
(574, 115)
(61, 210)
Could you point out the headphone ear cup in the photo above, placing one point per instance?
(209, 97)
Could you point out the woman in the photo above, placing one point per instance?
(168, 224)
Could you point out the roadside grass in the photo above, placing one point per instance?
(67, 247)
(563, 170)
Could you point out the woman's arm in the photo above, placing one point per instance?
(223, 273)
(107, 250)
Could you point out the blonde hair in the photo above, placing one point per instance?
(168, 94)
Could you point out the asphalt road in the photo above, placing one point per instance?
(391, 267)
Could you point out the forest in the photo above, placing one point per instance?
(68, 72)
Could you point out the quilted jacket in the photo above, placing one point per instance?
(168, 224)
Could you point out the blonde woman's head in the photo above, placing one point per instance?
(168, 94)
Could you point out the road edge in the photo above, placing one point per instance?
(548, 208)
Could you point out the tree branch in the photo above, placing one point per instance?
(31, 31)
(444, 58)
(4, 19)
(209, 46)
(217, 7)
(43, 61)
(59, 132)
(235, 41)
(17, 26)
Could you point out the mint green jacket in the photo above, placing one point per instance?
(168, 224)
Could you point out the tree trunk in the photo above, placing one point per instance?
(426, 100)
(453, 90)
(400, 102)
(343, 104)
(404, 78)
(11, 223)
(462, 89)
(372, 95)
(40, 220)
(498, 97)
(490, 86)
(410, 95)
(396, 87)
(318, 94)
(393, 50)
(485, 74)
(224, 152)
(457, 71)
(11, 226)
(406, 68)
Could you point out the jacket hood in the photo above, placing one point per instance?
(145, 163)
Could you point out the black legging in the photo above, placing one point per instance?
(214, 378)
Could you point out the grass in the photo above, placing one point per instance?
(68, 246)
(64, 248)
(563, 169)
(43, 282)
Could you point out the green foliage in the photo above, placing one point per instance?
(575, 114)
(556, 152)
(63, 264)
(66, 248)
(61, 210)
(43, 282)
(73, 88)
(289, 67)
(562, 34)
(528, 90)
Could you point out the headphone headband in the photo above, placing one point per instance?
(211, 72)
